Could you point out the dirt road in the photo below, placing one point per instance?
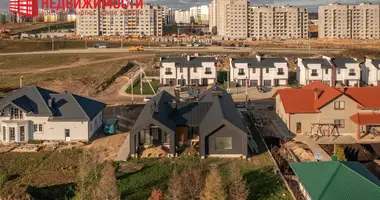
(80, 63)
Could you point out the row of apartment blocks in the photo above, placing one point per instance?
(236, 19)
(259, 71)
(147, 21)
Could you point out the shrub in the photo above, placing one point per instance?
(237, 189)
(3, 178)
(156, 195)
(186, 190)
(340, 153)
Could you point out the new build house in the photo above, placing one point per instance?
(330, 71)
(371, 72)
(213, 121)
(34, 113)
(259, 71)
(318, 107)
(188, 71)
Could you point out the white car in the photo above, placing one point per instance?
(146, 99)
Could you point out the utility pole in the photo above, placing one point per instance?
(52, 43)
(246, 91)
(141, 90)
(121, 41)
(21, 78)
(178, 36)
(228, 79)
(132, 89)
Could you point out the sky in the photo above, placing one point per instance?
(312, 5)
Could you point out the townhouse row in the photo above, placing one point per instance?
(259, 71)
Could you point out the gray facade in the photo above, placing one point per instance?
(213, 121)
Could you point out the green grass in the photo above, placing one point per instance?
(146, 89)
(155, 173)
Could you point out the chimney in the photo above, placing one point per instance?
(160, 59)
(316, 93)
(258, 57)
(154, 108)
(51, 102)
(188, 57)
(177, 95)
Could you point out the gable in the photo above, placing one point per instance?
(349, 104)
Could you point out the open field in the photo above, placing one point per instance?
(146, 89)
(25, 27)
(155, 173)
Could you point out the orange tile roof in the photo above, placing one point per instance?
(366, 118)
(367, 97)
(304, 100)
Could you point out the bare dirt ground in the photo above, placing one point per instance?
(108, 146)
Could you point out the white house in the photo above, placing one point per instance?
(188, 71)
(34, 113)
(371, 72)
(330, 71)
(259, 71)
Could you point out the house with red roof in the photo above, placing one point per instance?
(351, 110)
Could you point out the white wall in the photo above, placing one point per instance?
(301, 72)
(370, 74)
(235, 71)
(95, 124)
(164, 76)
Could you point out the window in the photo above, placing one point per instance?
(208, 70)
(16, 113)
(223, 143)
(67, 132)
(147, 137)
(181, 70)
(195, 70)
(12, 134)
(314, 71)
(254, 70)
(267, 70)
(22, 133)
(339, 105)
(38, 128)
(339, 123)
(168, 70)
(326, 71)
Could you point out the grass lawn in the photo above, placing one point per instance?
(146, 89)
(155, 173)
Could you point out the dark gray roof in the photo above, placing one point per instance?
(325, 64)
(66, 107)
(193, 62)
(255, 63)
(210, 111)
(376, 63)
(341, 62)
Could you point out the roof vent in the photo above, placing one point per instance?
(51, 102)
(154, 107)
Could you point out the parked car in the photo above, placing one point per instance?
(146, 99)
(189, 45)
(111, 126)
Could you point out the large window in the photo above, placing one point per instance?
(339, 105)
(16, 113)
(339, 123)
(223, 143)
(145, 137)
(22, 133)
(12, 134)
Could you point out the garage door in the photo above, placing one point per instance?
(267, 82)
(254, 83)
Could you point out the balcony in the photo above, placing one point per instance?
(168, 73)
(280, 73)
(241, 73)
(208, 72)
(314, 74)
(352, 74)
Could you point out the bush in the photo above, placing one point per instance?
(186, 190)
(3, 178)
(156, 195)
(237, 189)
(340, 153)
(214, 189)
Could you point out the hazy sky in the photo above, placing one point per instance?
(185, 4)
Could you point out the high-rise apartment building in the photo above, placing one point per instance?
(229, 18)
(200, 14)
(147, 21)
(182, 16)
(283, 22)
(167, 14)
(349, 21)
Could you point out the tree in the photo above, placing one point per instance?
(106, 188)
(214, 189)
(88, 174)
(340, 153)
(237, 189)
(186, 190)
(156, 195)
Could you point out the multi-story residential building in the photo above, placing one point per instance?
(349, 21)
(371, 72)
(147, 21)
(229, 18)
(259, 71)
(182, 16)
(167, 14)
(200, 14)
(34, 113)
(188, 71)
(330, 71)
(324, 110)
(277, 22)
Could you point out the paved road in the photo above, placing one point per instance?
(184, 49)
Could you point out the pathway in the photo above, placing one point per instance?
(314, 147)
(123, 154)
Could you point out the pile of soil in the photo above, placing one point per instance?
(301, 150)
(154, 152)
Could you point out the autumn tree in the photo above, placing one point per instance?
(191, 189)
(156, 195)
(214, 189)
(237, 189)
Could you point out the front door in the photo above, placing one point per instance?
(299, 127)
(156, 134)
(205, 81)
(267, 82)
(254, 83)
(67, 135)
